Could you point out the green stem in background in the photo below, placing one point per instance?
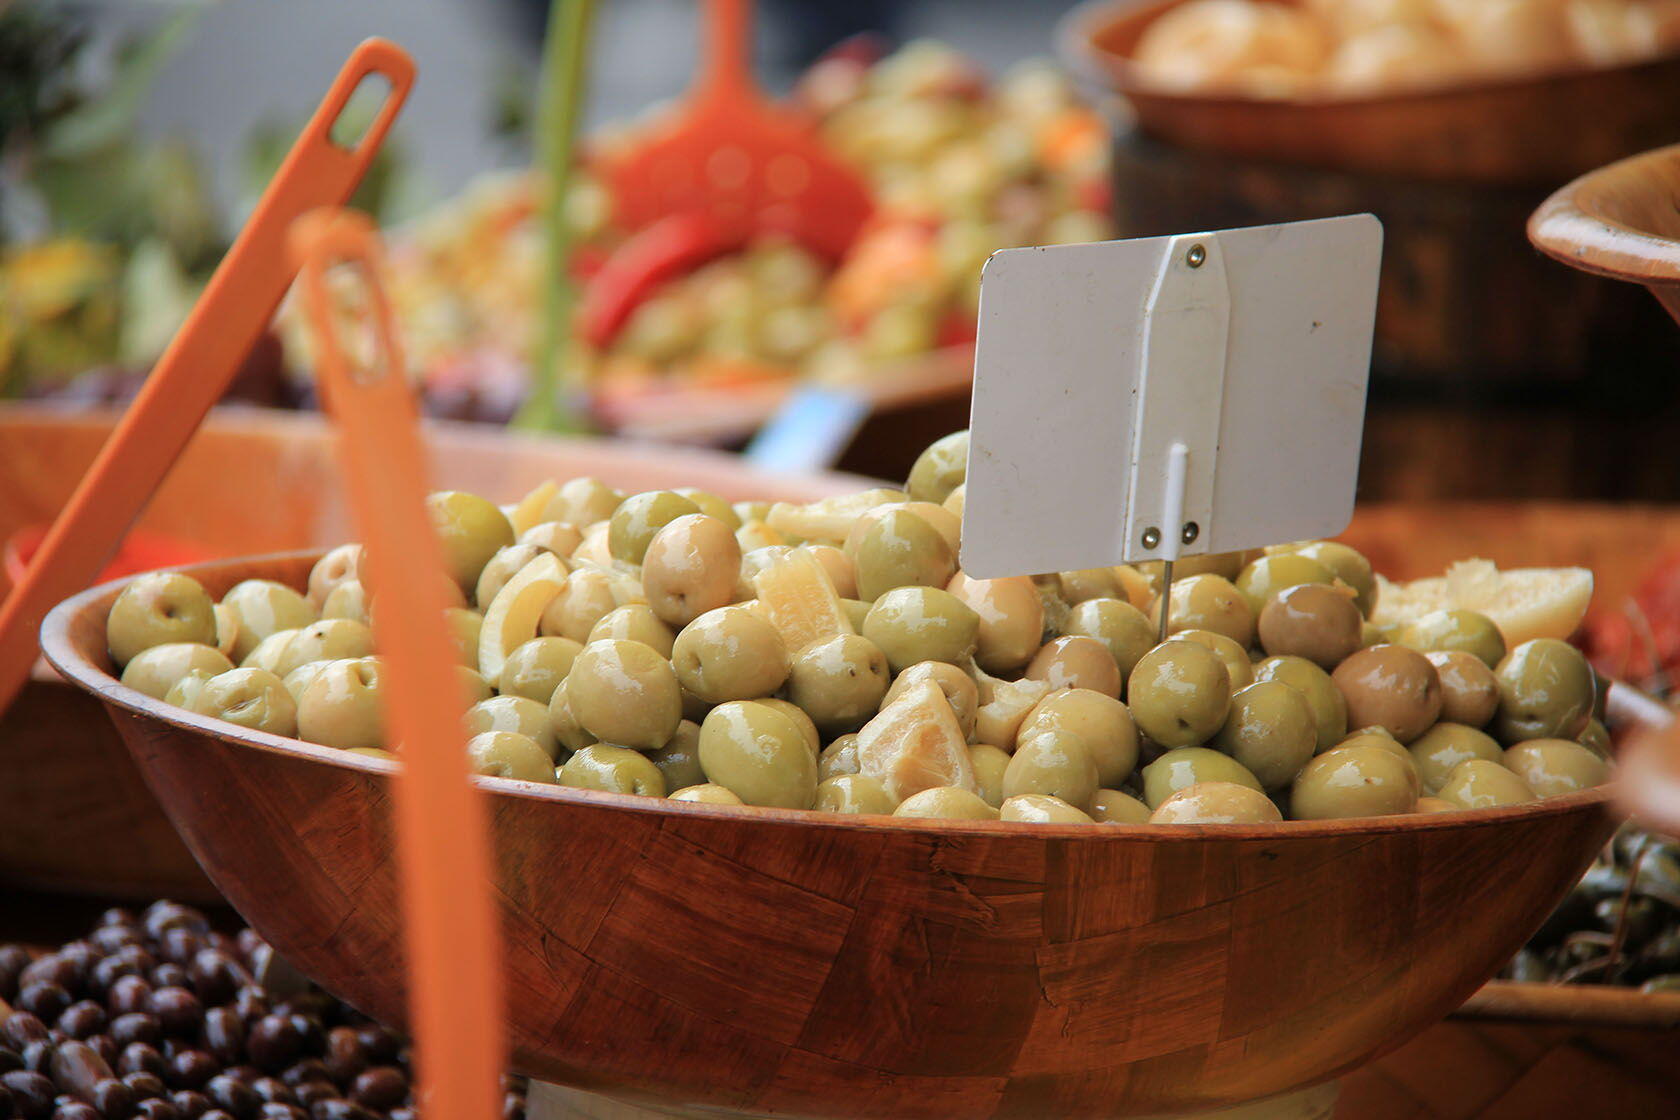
(550, 404)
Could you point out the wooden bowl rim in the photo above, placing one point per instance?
(1564, 231)
(63, 654)
(1076, 37)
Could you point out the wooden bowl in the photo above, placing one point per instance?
(74, 813)
(771, 961)
(1538, 128)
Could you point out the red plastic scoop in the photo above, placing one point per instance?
(726, 165)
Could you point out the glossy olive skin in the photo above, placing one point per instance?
(587, 597)
(1185, 767)
(939, 469)
(1271, 731)
(946, 803)
(1076, 662)
(1469, 690)
(634, 622)
(1055, 762)
(1392, 687)
(912, 624)
(1210, 602)
(854, 793)
(1114, 622)
(1265, 577)
(516, 714)
(1011, 619)
(679, 760)
(613, 770)
(1087, 583)
(1546, 691)
(1356, 781)
(1103, 723)
(1596, 738)
(502, 567)
(761, 755)
(1235, 657)
(1434, 805)
(582, 502)
(508, 754)
(1180, 693)
(337, 567)
(706, 794)
(348, 600)
(839, 757)
(839, 682)
(253, 698)
(567, 730)
(1438, 751)
(1347, 565)
(959, 688)
(1042, 808)
(691, 566)
(639, 517)
(625, 693)
(154, 670)
(1112, 806)
(900, 549)
(553, 536)
(472, 529)
(342, 706)
(1329, 709)
(1551, 767)
(535, 668)
(1463, 630)
(712, 506)
(730, 654)
(1216, 803)
(989, 764)
(1312, 620)
(1479, 784)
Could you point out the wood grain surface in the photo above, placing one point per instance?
(791, 963)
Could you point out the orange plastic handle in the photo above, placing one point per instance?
(195, 370)
(455, 1000)
(727, 70)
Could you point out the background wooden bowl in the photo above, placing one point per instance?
(772, 961)
(75, 815)
(1537, 128)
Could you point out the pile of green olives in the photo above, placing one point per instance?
(832, 656)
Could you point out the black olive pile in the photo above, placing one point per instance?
(156, 1016)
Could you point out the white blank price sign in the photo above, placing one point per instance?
(1142, 400)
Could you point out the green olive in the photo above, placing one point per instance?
(1546, 691)
(1469, 690)
(184, 692)
(253, 698)
(679, 759)
(1086, 584)
(587, 596)
(1270, 730)
(502, 567)
(1596, 738)
(1467, 631)
(1438, 751)
(1186, 766)
(856, 611)
(535, 668)
(712, 506)
(553, 536)
(473, 685)
(753, 535)
(342, 706)
(1329, 709)
(1099, 720)
(1235, 657)
(337, 567)
(1392, 687)
(1265, 577)
(839, 757)
(154, 670)
(1180, 693)
(517, 714)
(760, 754)
(639, 517)
(946, 803)
(1356, 781)
(690, 567)
(900, 549)
(751, 510)
(1209, 602)
(634, 622)
(1124, 629)
(331, 639)
(508, 754)
(1348, 566)
(1428, 804)
(582, 502)
(1216, 803)
(1312, 620)
(472, 530)
(1551, 767)
(263, 607)
(730, 654)
(989, 764)
(959, 688)
(706, 794)
(568, 732)
(1076, 662)
(854, 793)
(939, 469)
(270, 653)
(347, 600)
(1112, 806)
(1480, 784)
(298, 679)
(839, 682)
(1055, 762)
(613, 770)
(464, 627)
(1042, 808)
(625, 693)
(1011, 619)
(912, 624)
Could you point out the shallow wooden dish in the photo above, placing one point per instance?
(1537, 128)
(769, 961)
(74, 813)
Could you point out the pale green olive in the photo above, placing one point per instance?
(1099, 720)
(946, 803)
(759, 753)
(1055, 762)
(1469, 690)
(464, 627)
(1270, 730)
(1596, 738)
(1438, 751)
(184, 692)
(1087, 583)
(508, 754)
(582, 502)
(342, 706)
(154, 670)
(1323, 697)
(1237, 663)
(347, 600)
(502, 567)
(473, 685)
(856, 611)
(900, 549)
(253, 698)
(854, 793)
(639, 517)
(1076, 662)
(1125, 630)
(751, 510)
(706, 794)
(472, 530)
(613, 770)
(270, 653)
(839, 757)
(1546, 691)
(679, 760)
(330, 639)
(1011, 619)
(535, 668)
(634, 622)
(263, 607)
(912, 624)
(1186, 766)
(1209, 602)
(514, 713)
(1179, 693)
(567, 730)
(1463, 630)
(989, 764)
(298, 679)
(712, 506)
(959, 688)
(1042, 808)
(624, 692)
(1551, 767)
(1347, 565)
(690, 567)
(731, 653)
(554, 536)
(1480, 784)
(1261, 581)
(1357, 781)
(1112, 806)
(335, 568)
(839, 682)
(1216, 803)
(939, 469)
(587, 596)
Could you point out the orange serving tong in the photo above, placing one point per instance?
(193, 372)
(725, 165)
(453, 957)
